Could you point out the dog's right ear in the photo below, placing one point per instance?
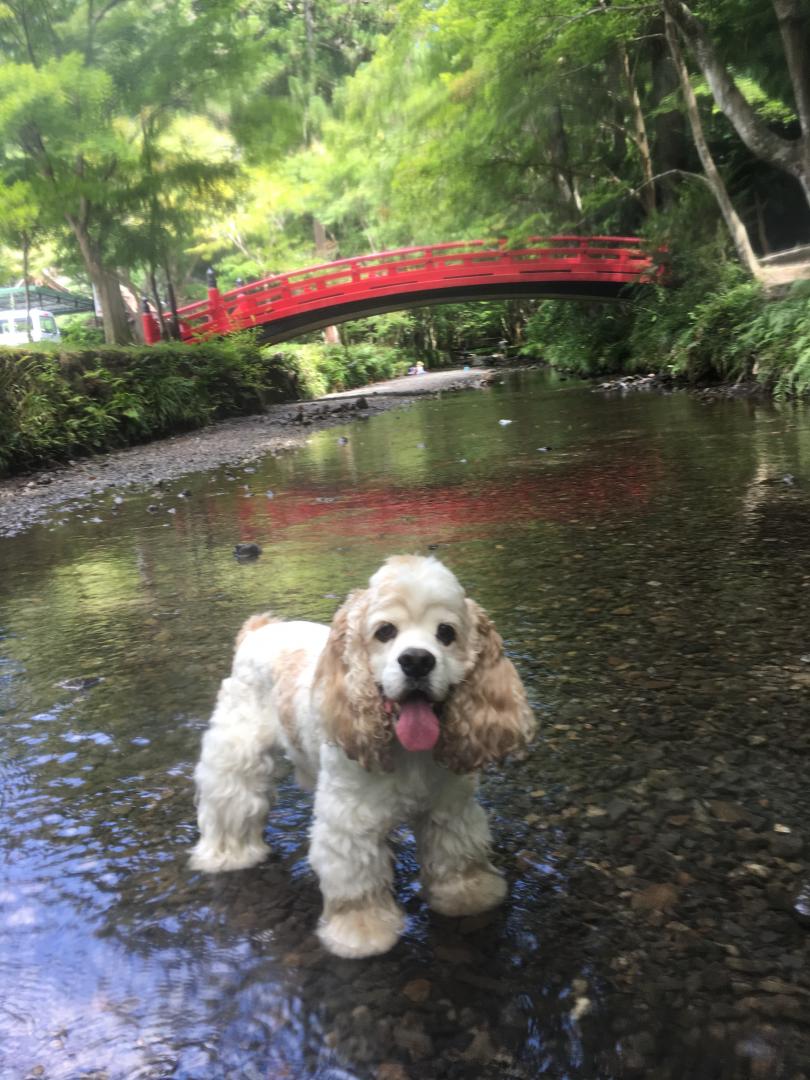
(351, 704)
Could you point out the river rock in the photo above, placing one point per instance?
(786, 845)
(245, 552)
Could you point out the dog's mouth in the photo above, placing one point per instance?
(416, 720)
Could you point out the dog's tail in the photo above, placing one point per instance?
(255, 622)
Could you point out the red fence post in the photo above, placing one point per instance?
(245, 310)
(217, 315)
(151, 327)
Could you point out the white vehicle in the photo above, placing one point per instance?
(14, 326)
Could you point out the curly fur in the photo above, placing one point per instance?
(351, 704)
(329, 698)
(487, 716)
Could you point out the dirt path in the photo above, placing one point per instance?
(24, 500)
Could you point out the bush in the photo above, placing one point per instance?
(320, 368)
(581, 336)
(56, 404)
(714, 344)
(778, 337)
(709, 322)
(80, 330)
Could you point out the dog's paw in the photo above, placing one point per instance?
(213, 860)
(468, 893)
(362, 931)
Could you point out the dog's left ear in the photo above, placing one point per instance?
(487, 716)
(352, 708)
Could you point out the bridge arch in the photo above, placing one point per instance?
(287, 305)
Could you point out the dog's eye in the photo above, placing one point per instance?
(446, 634)
(386, 632)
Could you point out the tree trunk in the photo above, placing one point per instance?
(158, 305)
(642, 143)
(790, 155)
(736, 228)
(175, 320)
(117, 330)
(670, 137)
(795, 30)
(564, 176)
(26, 248)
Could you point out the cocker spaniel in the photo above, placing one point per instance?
(387, 714)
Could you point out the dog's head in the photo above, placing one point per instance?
(412, 660)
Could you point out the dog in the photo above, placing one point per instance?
(388, 715)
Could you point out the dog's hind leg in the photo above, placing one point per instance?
(233, 780)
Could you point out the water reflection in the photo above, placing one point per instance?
(647, 572)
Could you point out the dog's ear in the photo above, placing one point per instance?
(352, 706)
(487, 716)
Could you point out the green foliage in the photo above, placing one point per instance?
(580, 336)
(443, 334)
(718, 326)
(779, 338)
(56, 404)
(319, 368)
(159, 138)
(59, 403)
(710, 322)
(712, 346)
(80, 331)
(92, 101)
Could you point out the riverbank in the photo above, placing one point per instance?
(657, 383)
(710, 326)
(27, 499)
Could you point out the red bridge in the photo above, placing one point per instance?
(286, 305)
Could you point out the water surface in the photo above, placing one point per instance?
(647, 560)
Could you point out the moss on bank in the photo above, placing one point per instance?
(61, 403)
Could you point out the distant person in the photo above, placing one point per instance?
(419, 369)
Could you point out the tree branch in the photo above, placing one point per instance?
(735, 226)
(754, 132)
(795, 30)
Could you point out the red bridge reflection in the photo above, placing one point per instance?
(579, 494)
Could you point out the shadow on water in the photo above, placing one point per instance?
(645, 559)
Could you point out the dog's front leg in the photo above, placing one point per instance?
(453, 844)
(349, 853)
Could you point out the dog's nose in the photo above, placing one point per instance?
(416, 663)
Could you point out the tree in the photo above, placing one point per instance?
(736, 228)
(493, 116)
(792, 154)
(20, 223)
(77, 110)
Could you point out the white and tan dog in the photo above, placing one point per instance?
(387, 714)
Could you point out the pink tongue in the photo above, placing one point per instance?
(417, 727)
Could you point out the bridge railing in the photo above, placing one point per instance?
(622, 259)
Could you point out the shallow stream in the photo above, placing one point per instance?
(647, 560)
